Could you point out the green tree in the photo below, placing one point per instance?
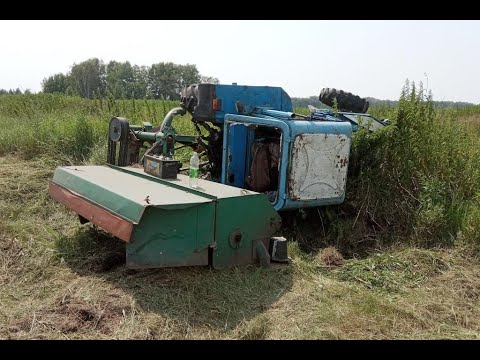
(92, 78)
(57, 83)
(188, 75)
(140, 81)
(166, 80)
(161, 80)
(209, 80)
(89, 78)
(120, 80)
(17, 91)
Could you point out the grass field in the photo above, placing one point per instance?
(410, 267)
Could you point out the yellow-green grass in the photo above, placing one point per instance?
(61, 280)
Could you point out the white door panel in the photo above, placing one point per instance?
(319, 166)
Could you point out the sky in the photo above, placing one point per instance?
(367, 58)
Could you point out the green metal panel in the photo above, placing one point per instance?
(122, 193)
(206, 188)
(254, 218)
(175, 225)
(172, 237)
(236, 212)
(181, 183)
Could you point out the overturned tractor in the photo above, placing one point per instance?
(260, 158)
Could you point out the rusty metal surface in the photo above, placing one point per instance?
(109, 222)
(319, 166)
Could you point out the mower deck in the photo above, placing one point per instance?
(165, 222)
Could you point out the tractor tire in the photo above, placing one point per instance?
(345, 101)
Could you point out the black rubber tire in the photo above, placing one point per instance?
(346, 101)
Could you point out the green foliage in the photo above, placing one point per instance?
(16, 91)
(140, 82)
(72, 128)
(88, 78)
(166, 80)
(57, 83)
(418, 178)
(393, 272)
(120, 80)
(209, 80)
(83, 139)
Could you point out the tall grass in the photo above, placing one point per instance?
(418, 179)
(72, 127)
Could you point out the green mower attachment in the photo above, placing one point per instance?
(166, 223)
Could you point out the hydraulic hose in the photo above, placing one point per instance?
(167, 121)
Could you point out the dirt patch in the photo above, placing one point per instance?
(257, 329)
(71, 314)
(78, 315)
(330, 257)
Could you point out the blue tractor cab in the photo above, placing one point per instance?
(298, 161)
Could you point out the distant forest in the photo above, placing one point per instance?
(93, 78)
(313, 100)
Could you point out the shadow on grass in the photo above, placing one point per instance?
(196, 295)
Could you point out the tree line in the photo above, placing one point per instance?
(16, 91)
(93, 78)
(313, 100)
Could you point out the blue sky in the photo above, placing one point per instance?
(368, 58)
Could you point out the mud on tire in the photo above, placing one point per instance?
(346, 101)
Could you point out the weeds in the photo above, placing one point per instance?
(71, 128)
(417, 179)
